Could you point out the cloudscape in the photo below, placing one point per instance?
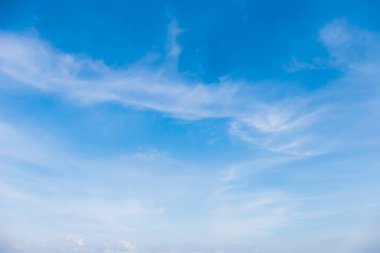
(190, 126)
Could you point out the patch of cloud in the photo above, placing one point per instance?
(288, 125)
(281, 130)
(173, 48)
(31, 62)
(248, 169)
(356, 52)
(354, 49)
(124, 196)
(296, 65)
(77, 242)
(111, 196)
(238, 217)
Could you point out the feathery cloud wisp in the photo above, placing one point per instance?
(28, 61)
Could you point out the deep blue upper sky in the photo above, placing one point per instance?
(253, 39)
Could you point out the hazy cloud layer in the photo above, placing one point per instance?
(104, 205)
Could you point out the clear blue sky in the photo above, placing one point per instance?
(189, 126)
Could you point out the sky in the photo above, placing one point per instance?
(190, 126)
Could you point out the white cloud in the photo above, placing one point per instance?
(31, 62)
(122, 197)
(241, 217)
(287, 125)
(77, 242)
(355, 50)
(173, 47)
(284, 126)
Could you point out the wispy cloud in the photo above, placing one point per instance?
(121, 206)
(173, 48)
(297, 65)
(353, 49)
(26, 60)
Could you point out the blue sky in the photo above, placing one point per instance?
(189, 126)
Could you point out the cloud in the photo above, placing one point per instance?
(356, 53)
(121, 197)
(297, 65)
(77, 242)
(172, 47)
(282, 128)
(284, 124)
(29, 62)
(243, 217)
(355, 50)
